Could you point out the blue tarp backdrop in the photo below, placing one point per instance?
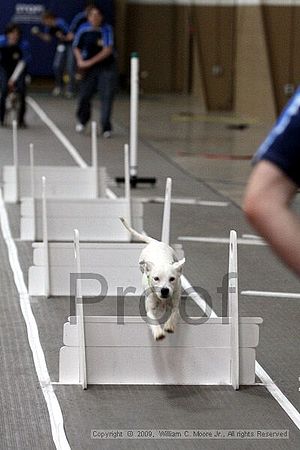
(28, 13)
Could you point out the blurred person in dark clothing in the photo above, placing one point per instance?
(14, 57)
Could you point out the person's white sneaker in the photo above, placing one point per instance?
(107, 134)
(56, 91)
(79, 128)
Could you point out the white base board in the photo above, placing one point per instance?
(62, 182)
(96, 219)
(127, 354)
(116, 262)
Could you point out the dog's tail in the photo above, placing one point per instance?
(135, 234)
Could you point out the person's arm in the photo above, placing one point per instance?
(44, 36)
(86, 64)
(62, 30)
(22, 64)
(267, 206)
(16, 73)
(69, 37)
(78, 56)
(107, 50)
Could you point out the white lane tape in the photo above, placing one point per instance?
(110, 194)
(267, 382)
(183, 201)
(251, 236)
(63, 139)
(274, 390)
(55, 414)
(197, 297)
(58, 133)
(271, 294)
(213, 240)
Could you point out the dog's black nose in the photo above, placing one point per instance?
(164, 292)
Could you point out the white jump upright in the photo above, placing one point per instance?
(80, 316)
(15, 194)
(200, 353)
(133, 132)
(127, 183)
(46, 271)
(63, 181)
(134, 107)
(165, 234)
(32, 180)
(233, 308)
(97, 219)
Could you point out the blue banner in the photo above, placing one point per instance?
(28, 14)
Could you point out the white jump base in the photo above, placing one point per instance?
(116, 262)
(97, 219)
(127, 354)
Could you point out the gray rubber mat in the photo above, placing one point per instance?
(151, 407)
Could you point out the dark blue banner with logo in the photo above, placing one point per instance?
(28, 14)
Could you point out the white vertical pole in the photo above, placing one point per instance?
(233, 309)
(165, 234)
(16, 159)
(102, 181)
(32, 181)
(127, 183)
(134, 104)
(95, 158)
(45, 238)
(80, 316)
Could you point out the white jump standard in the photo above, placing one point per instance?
(63, 181)
(116, 262)
(134, 105)
(213, 352)
(97, 219)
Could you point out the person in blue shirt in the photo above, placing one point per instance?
(78, 20)
(14, 58)
(94, 52)
(55, 28)
(274, 183)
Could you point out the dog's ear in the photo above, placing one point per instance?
(178, 265)
(146, 266)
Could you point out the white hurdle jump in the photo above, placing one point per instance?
(97, 219)
(63, 181)
(53, 262)
(213, 352)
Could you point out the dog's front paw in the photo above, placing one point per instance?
(169, 328)
(158, 334)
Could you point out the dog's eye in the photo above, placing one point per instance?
(172, 279)
(156, 279)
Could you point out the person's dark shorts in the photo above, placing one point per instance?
(282, 145)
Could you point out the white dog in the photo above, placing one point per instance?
(161, 282)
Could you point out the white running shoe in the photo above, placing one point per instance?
(56, 91)
(107, 134)
(79, 128)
